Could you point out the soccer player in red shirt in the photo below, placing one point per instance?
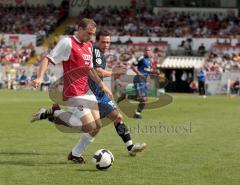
(75, 55)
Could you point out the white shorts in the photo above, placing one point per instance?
(81, 105)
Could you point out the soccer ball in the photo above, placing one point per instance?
(103, 159)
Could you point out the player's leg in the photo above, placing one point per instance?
(124, 133)
(141, 105)
(91, 124)
(60, 117)
(141, 91)
(108, 109)
(96, 116)
(79, 117)
(86, 138)
(43, 113)
(84, 123)
(121, 97)
(121, 128)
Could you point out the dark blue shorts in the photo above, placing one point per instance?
(105, 105)
(140, 86)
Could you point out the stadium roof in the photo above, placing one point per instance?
(182, 62)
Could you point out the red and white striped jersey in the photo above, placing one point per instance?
(76, 59)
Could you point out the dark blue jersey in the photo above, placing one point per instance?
(98, 61)
(143, 65)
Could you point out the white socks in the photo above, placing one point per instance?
(82, 144)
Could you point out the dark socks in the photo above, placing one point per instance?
(141, 106)
(123, 132)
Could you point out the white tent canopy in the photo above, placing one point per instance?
(182, 62)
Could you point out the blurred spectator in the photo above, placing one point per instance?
(236, 87)
(201, 50)
(34, 76)
(173, 82)
(8, 80)
(201, 75)
(23, 80)
(189, 82)
(184, 83)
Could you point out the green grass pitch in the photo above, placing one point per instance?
(193, 141)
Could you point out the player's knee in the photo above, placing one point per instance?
(95, 132)
(89, 127)
(143, 99)
(118, 118)
(98, 123)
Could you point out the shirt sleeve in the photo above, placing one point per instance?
(139, 61)
(61, 52)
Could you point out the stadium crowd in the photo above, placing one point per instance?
(143, 22)
(223, 59)
(131, 21)
(15, 54)
(39, 20)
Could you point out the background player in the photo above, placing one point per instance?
(142, 68)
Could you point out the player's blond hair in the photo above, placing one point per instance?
(86, 23)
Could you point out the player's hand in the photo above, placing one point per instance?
(142, 75)
(119, 70)
(107, 91)
(36, 83)
(123, 64)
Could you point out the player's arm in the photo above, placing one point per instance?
(42, 69)
(94, 76)
(60, 52)
(103, 73)
(115, 71)
(135, 65)
(97, 63)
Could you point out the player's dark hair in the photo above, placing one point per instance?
(103, 33)
(85, 22)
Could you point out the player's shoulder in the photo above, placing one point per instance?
(96, 52)
(89, 44)
(140, 58)
(65, 40)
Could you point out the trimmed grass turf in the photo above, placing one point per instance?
(203, 149)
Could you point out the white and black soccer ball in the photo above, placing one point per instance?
(103, 159)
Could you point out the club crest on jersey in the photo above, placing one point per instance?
(99, 61)
(87, 57)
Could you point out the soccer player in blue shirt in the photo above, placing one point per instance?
(142, 68)
(106, 106)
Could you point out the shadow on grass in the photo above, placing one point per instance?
(81, 168)
(32, 163)
(89, 170)
(19, 153)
